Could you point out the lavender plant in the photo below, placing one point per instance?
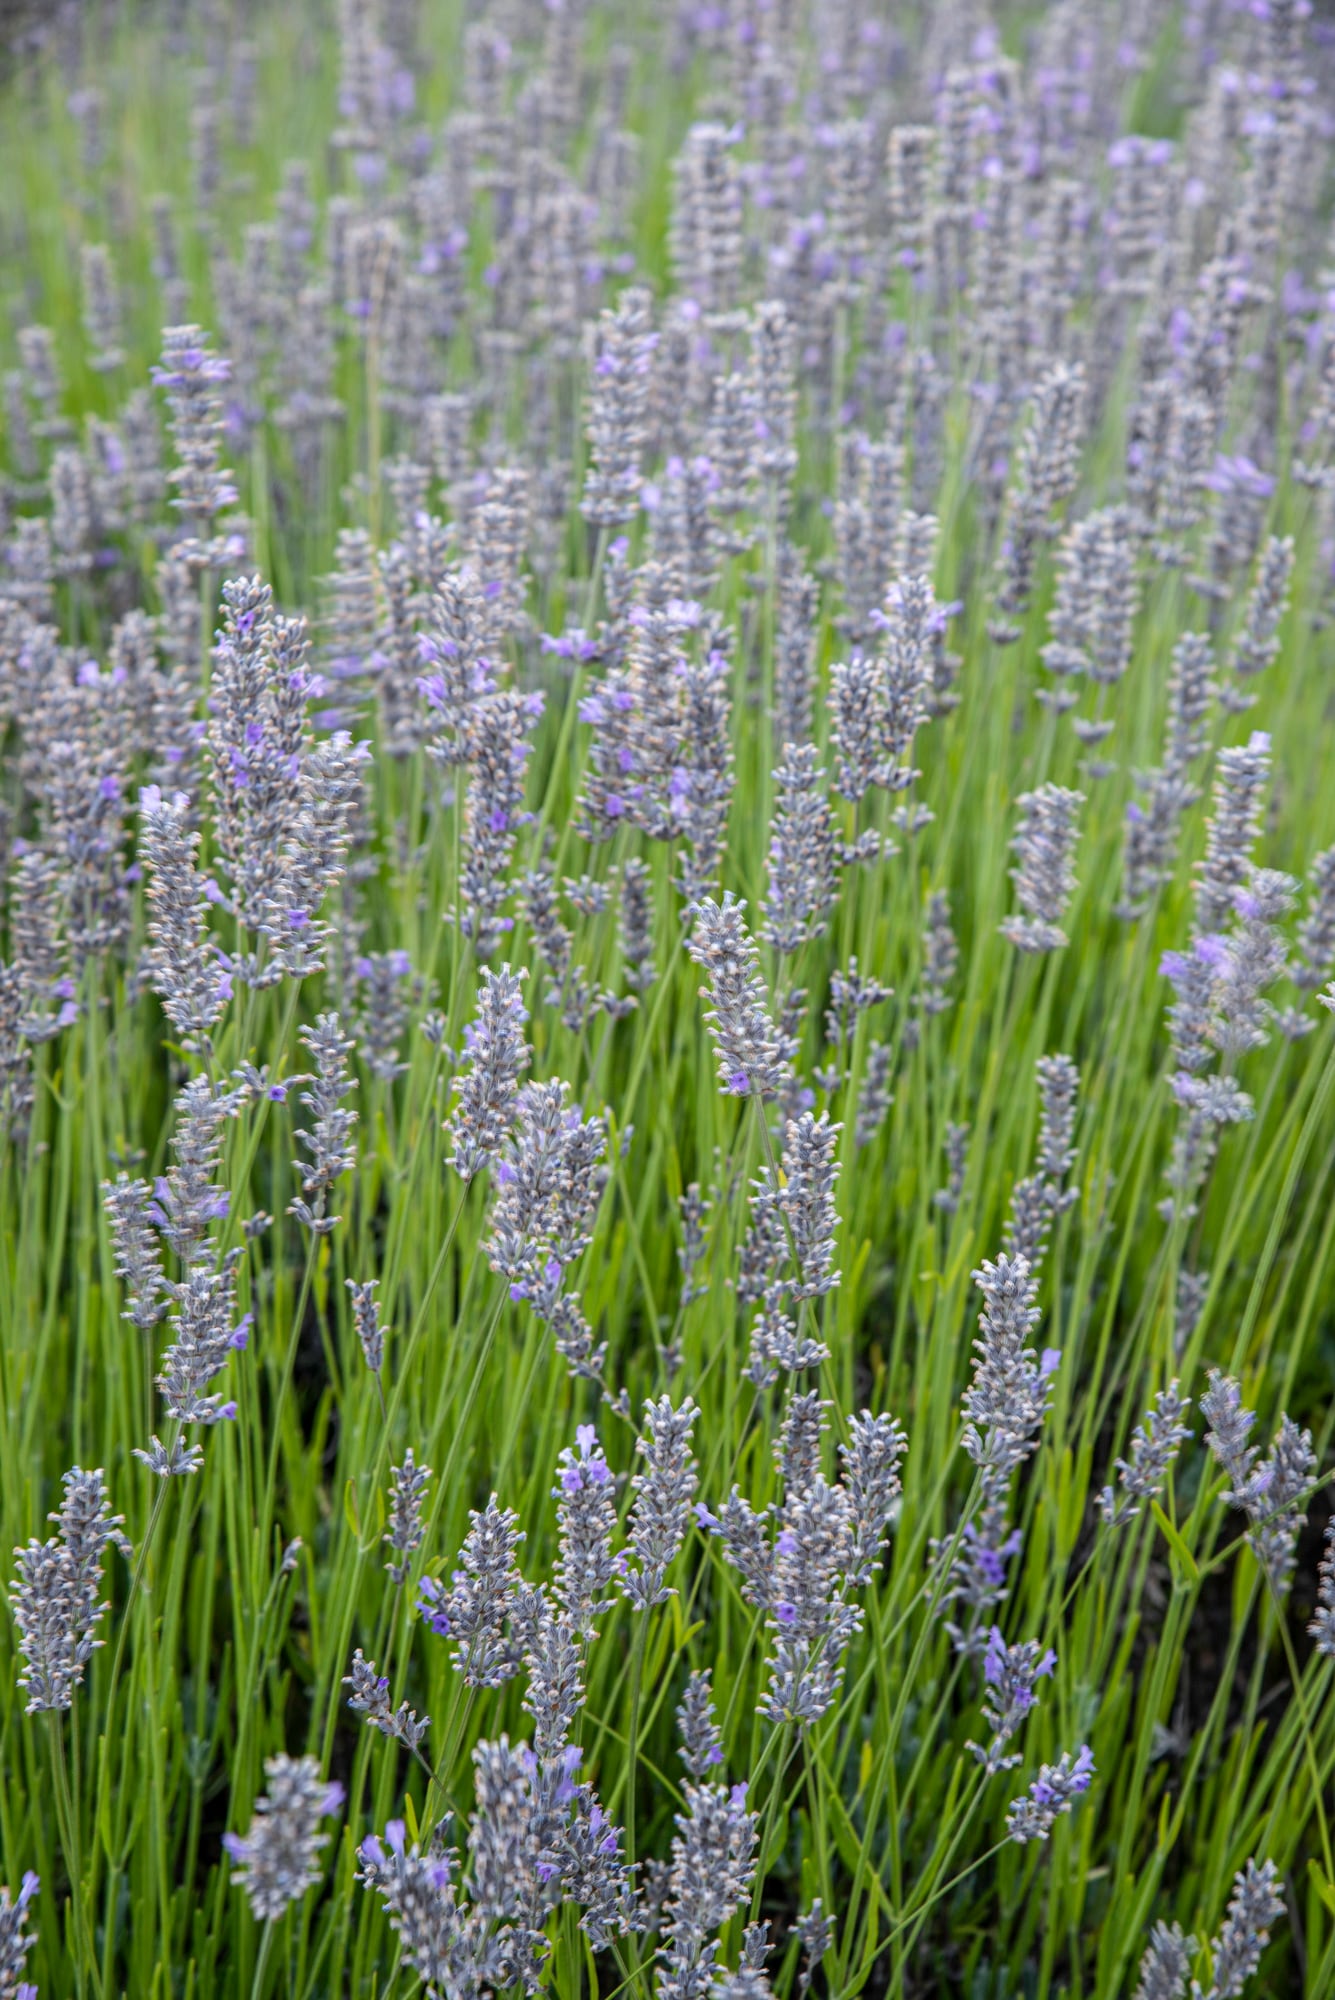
(702, 709)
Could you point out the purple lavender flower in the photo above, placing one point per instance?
(1011, 1675)
(1044, 878)
(278, 1860)
(749, 1061)
(15, 1939)
(1053, 1792)
(622, 355)
(661, 1511)
(54, 1598)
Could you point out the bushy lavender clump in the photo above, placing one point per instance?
(1017, 353)
(537, 1837)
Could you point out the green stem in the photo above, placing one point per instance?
(85, 1960)
(262, 1960)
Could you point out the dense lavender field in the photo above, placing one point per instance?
(667, 1088)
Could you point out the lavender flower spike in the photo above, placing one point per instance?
(1153, 1449)
(370, 1697)
(404, 1535)
(1235, 821)
(661, 1512)
(1007, 1400)
(186, 974)
(1044, 877)
(366, 1317)
(329, 1142)
(1053, 1792)
(15, 1943)
(1322, 1627)
(748, 1049)
(54, 1598)
(496, 1056)
(623, 344)
(1269, 1493)
(1010, 1674)
(278, 1860)
(1255, 1904)
(1166, 1964)
(486, 1595)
